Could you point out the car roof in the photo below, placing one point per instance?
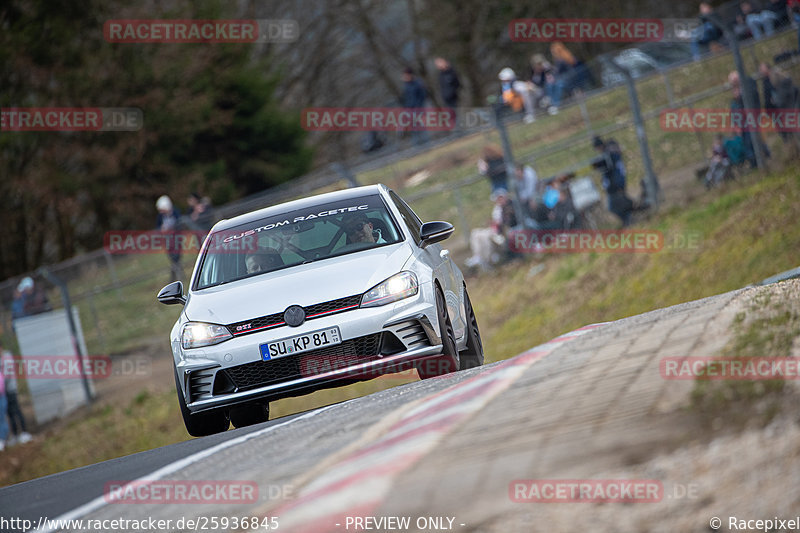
(302, 203)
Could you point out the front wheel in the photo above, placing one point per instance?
(472, 355)
(201, 424)
(449, 361)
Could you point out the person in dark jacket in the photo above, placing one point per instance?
(167, 222)
(780, 96)
(493, 166)
(707, 33)
(449, 84)
(612, 167)
(414, 96)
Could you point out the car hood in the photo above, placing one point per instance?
(302, 285)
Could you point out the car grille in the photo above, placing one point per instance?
(275, 320)
(314, 362)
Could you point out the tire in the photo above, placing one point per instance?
(472, 356)
(249, 414)
(201, 424)
(449, 361)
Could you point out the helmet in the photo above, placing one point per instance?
(507, 75)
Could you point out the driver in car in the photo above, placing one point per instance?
(359, 229)
(262, 261)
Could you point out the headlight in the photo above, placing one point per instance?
(197, 334)
(397, 287)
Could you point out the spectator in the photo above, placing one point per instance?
(779, 8)
(570, 69)
(546, 87)
(503, 216)
(200, 211)
(30, 299)
(720, 165)
(18, 427)
(708, 35)
(167, 222)
(489, 245)
(526, 183)
(414, 96)
(612, 167)
(18, 305)
(493, 166)
(756, 23)
(793, 10)
(449, 84)
(516, 94)
(3, 410)
(780, 94)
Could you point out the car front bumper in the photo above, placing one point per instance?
(412, 321)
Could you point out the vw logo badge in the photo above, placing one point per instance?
(294, 316)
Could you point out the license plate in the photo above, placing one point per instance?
(300, 343)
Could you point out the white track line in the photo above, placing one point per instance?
(173, 467)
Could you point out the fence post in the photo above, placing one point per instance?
(652, 188)
(585, 113)
(461, 217)
(112, 269)
(93, 310)
(748, 98)
(511, 180)
(700, 141)
(668, 87)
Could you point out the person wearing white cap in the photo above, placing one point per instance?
(22, 298)
(167, 222)
(516, 94)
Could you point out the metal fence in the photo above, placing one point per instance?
(110, 290)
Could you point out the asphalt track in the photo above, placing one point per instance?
(443, 449)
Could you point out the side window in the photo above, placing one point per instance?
(411, 219)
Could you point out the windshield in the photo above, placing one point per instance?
(296, 237)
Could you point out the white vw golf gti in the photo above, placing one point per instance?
(311, 294)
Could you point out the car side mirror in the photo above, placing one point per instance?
(432, 232)
(172, 294)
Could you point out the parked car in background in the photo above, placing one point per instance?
(641, 60)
